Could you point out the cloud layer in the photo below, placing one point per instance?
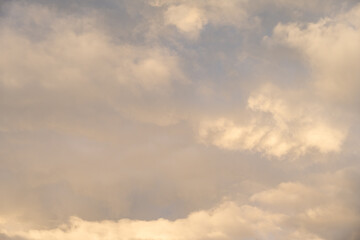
(177, 119)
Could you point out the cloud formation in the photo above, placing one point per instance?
(227, 219)
(278, 126)
(76, 51)
(299, 211)
(178, 119)
(334, 68)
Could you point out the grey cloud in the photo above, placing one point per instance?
(6, 237)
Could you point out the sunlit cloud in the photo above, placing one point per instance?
(179, 119)
(278, 125)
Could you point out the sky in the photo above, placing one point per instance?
(179, 120)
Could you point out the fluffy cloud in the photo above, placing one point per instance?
(298, 211)
(57, 52)
(223, 222)
(191, 17)
(187, 19)
(278, 125)
(76, 51)
(331, 47)
(96, 121)
(324, 207)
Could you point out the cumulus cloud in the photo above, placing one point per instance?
(278, 126)
(223, 222)
(296, 213)
(76, 51)
(99, 100)
(188, 20)
(52, 50)
(191, 17)
(331, 47)
(321, 206)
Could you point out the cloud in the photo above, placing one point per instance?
(319, 206)
(278, 125)
(188, 20)
(334, 68)
(191, 17)
(5, 237)
(318, 210)
(226, 221)
(98, 101)
(54, 51)
(289, 196)
(76, 51)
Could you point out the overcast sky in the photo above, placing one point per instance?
(179, 120)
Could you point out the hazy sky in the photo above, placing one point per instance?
(179, 120)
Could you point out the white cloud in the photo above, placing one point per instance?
(226, 221)
(324, 207)
(190, 17)
(279, 124)
(331, 47)
(315, 210)
(77, 99)
(189, 20)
